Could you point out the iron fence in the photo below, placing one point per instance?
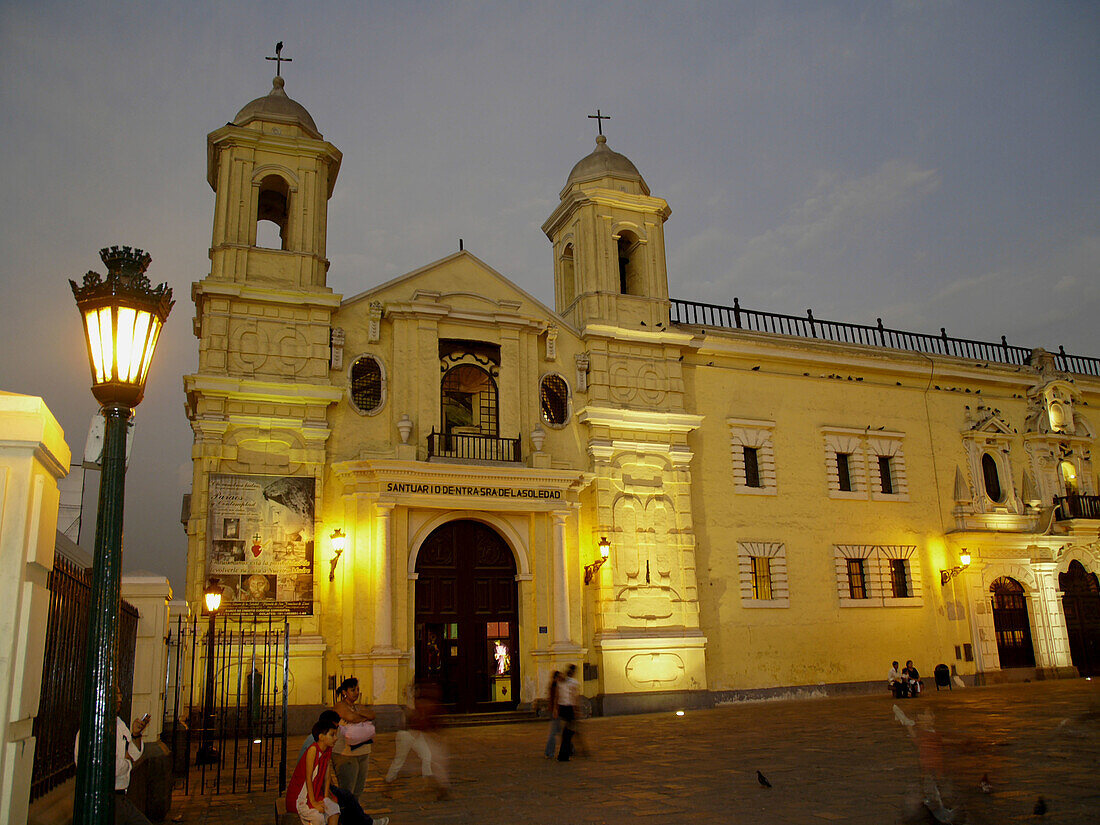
(736, 317)
(63, 672)
(228, 723)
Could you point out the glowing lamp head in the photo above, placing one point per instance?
(339, 540)
(212, 596)
(605, 547)
(122, 316)
(964, 558)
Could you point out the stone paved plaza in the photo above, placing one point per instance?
(829, 760)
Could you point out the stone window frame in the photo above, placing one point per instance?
(568, 401)
(758, 435)
(383, 384)
(864, 447)
(877, 579)
(776, 552)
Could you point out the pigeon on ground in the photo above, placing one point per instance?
(1040, 807)
(763, 780)
(984, 785)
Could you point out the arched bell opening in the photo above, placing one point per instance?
(273, 213)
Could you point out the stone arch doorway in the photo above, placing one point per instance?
(1011, 623)
(1081, 605)
(466, 617)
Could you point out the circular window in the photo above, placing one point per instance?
(366, 384)
(554, 400)
(992, 478)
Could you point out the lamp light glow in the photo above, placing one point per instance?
(590, 570)
(338, 541)
(123, 314)
(964, 562)
(212, 596)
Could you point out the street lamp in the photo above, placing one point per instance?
(122, 316)
(948, 575)
(590, 570)
(339, 542)
(208, 754)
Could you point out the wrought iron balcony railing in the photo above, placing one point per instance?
(735, 317)
(1077, 506)
(472, 447)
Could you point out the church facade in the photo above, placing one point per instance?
(443, 478)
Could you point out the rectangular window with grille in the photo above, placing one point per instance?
(885, 474)
(857, 588)
(844, 471)
(761, 577)
(752, 467)
(899, 579)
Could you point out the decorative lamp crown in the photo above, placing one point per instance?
(123, 315)
(212, 596)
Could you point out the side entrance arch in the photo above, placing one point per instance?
(1081, 605)
(466, 628)
(1011, 623)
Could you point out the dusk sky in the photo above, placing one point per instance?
(932, 163)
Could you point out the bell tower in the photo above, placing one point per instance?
(273, 174)
(609, 245)
(258, 402)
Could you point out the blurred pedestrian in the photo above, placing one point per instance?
(568, 697)
(351, 755)
(421, 735)
(552, 709)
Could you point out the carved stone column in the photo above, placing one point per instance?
(562, 630)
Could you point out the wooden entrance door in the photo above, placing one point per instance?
(1081, 604)
(466, 617)
(1011, 623)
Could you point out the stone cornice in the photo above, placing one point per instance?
(271, 391)
(250, 292)
(616, 333)
(653, 421)
(604, 197)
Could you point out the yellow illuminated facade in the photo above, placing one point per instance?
(779, 508)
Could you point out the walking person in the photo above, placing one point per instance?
(552, 709)
(421, 735)
(128, 750)
(351, 754)
(568, 696)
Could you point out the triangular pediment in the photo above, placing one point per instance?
(988, 420)
(463, 283)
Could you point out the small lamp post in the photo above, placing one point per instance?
(122, 316)
(208, 754)
(339, 541)
(590, 570)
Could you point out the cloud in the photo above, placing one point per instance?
(836, 219)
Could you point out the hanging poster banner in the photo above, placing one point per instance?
(260, 544)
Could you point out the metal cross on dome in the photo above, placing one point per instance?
(279, 59)
(598, 117)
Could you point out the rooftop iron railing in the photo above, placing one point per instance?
(736, 317)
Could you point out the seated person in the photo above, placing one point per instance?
(895, 682)
(326, 716)
(310, 789)
(915, 685)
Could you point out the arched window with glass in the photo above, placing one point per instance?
(469, 400)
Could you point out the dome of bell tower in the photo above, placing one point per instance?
(604, 162)
(277, 107)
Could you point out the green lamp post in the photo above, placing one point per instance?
(122, 316)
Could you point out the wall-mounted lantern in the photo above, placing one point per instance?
(948, 575)
(590, 570)
(338, 541)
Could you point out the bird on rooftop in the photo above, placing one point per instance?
(764, 783)
(984, 785)
(1040, 807)
(279, 47)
